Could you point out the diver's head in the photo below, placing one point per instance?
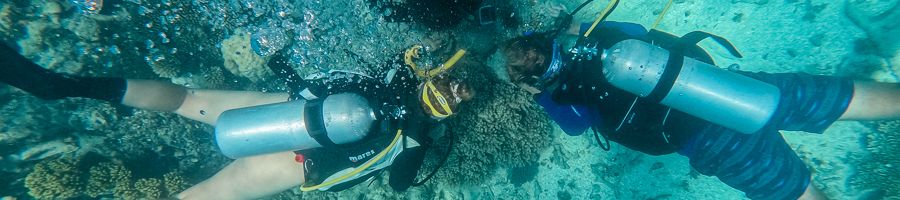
(527, 58)
(440, 96)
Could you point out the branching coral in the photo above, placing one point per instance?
(55, 179)
(173, 183)
(166, 67)
(109, 179)
(149, 188)
(213, 77)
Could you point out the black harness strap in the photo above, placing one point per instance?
(676, 61)
(444, 159)
(669, 75)
(315, 125)
(603, 144)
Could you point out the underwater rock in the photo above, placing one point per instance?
(519, 175)
(874, 174)
(240, 59)
(85, 28)
(880, 20)
(47, 149)
(6, 18)
(52, 10)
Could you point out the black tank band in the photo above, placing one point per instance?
(670, 74)
(315, 125)
(676, 61)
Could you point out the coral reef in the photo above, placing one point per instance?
(214, 77)
(67, 179)
(108, 179)
(166, 67)
(501, 127)
(149, 188)
(240, 60)
(163, 140)
(55, 179)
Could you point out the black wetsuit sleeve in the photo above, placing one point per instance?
(18, 71)
(417, 126)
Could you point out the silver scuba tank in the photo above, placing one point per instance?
(294, 125)
(705, 91)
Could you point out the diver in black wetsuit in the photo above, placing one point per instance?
(577, 87)
(407, 103)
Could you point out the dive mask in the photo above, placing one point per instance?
(434, 100)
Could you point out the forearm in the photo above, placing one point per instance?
(874, 101)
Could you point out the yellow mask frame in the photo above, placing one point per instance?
(428, 86)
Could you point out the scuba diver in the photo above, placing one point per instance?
(659, 94)
(329, 132)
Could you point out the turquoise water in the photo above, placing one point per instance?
(506, 147)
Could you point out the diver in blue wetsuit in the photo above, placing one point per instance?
(608, 82)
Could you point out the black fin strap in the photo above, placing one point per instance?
(441, 164)
(315, 125)
(603, 145)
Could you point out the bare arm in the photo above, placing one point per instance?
(874, 101)
(250, 178)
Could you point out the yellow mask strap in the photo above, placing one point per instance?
(413, 53)
(410, 54)
(429, 88)
(445, 67)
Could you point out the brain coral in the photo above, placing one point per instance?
(500, 127)
(240, 60)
